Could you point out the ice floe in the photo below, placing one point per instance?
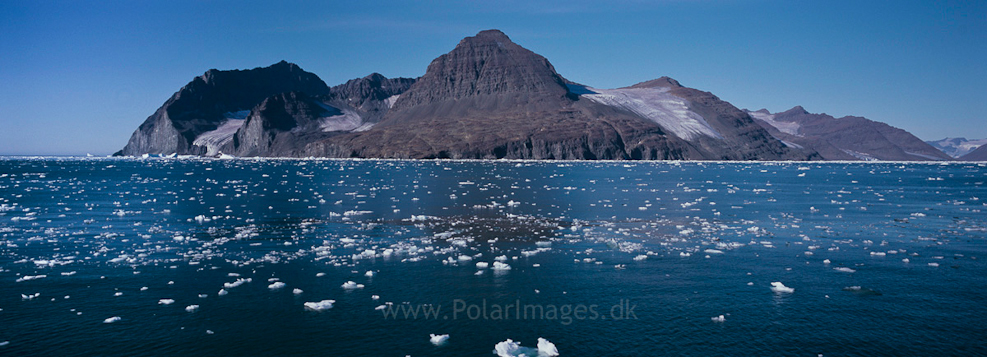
(778, 287)
(319, 305)
(437, 339)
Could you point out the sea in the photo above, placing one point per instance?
(262, 257)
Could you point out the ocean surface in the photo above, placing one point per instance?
(193, 257)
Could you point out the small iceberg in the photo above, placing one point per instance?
(501, 266)
(349, 285)
(369, 274)
(437, 340)
(720, 318)
(192, 308)
(844, 270)
(509, 348)
(778, 287)
(482, 265)
(640, 257)
(112, 320)
(276, 285)
(166, 301)
(319, 305)
(546, 348)
(296, 291)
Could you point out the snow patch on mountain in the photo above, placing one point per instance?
(790, 128)
(215, 139)
(670, 112)
(957, 147)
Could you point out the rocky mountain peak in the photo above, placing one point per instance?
(486, 64)
(663, 82)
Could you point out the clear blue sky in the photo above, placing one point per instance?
(78, 77)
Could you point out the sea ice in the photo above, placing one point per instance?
(222, 292)
(319, 305)
(844, 269)
(166, 301)
(276, 285)
(352, 285)
(437, 339)
(192, 308)
(778, 287)
(641, 257)
(501, 266)
(546, 348)
(296, 291)
(112, 320)
(369, 274)
(482, 265)
(720, 318)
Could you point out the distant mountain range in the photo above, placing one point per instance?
(958, 147)
(490, 98)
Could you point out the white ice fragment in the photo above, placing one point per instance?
(296, 291)
(369, 274)
(437, 340)
(640, 257)
(546, 348)
(844, 269)
(501, 266)
(349, 285)
(778, 287)
(720, 318)
(507, 348)
(319, 305)
(222, 292)
(826, 261)
(112, 320)
(933, 264)
(482, 265)
(166, 301)
(276, 285)
(192, 308)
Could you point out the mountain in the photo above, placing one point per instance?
(846, 138)
(957, 147)
(491, 98)
(205, 112)
(979, 154)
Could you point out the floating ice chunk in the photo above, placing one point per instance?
(465, 258)
(375, 297)
(319, 305)
(685, 254)
(380, 307)
(349, 285)
(118, 293)
(30, 296)
(369, 274)
(501, 266)
(482, 265)
(203, 296)
(276, 285)
(878, 254)
(166, 301)
(826, 261)
(720, 318)
(31, 277)
(546, 348)
(501, 258)
(640, 257)
(437, 340)
(71, 273)
(507, 348)
(4, 343)
(192, 308)
(905, 260)
(778, 287)
(143, 288)
(112, 320)
(296, 291)
(933, 264)
(713, 251)
(845, 270)
(222, 292)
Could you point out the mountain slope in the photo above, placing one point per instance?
(957, 147)
(846, 138)
(980, 154)
(215, 104)
(491, 98)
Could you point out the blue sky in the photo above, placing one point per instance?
(78, 77)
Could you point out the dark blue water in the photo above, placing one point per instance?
(112, 238)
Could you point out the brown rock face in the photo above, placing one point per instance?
(847, 138)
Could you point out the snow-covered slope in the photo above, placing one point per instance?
(213, 140)
(787, 127)
(670, 112)
(957, 147)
